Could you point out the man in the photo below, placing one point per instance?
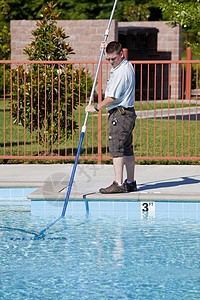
(119, 101)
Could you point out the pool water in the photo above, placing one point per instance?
(101, 251)
(15, 199)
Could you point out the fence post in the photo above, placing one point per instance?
(100, 116)
(188, 76)
(125, 50)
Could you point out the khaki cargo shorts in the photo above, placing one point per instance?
(121, 132)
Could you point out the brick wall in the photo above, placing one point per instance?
(85, 37)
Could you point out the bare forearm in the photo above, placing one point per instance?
(108, 101)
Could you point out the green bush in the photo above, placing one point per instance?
(4, 86)
(194, 77)
(60, 87)
(4, 31)
(49, 112)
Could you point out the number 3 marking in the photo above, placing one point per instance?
(145, 207)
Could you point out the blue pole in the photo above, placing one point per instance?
(83, 130)
(72, 175)
(86, 117)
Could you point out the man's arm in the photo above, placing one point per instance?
(108, 101)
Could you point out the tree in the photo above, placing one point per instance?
(139, 12)
(60, 86)
(4, 31)
(4, 47)
(80, 9)
(49, 40)
(25, 9)
(186, 13)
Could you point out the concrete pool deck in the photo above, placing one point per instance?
(155, 182)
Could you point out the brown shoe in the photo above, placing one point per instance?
(113, 188)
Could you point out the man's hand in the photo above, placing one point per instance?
(108, 101)
(103, 46)
(90, 108)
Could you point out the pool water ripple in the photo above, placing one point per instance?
(89, 257)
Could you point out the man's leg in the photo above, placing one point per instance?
(130, 167)
(117, 186)
(118, 163)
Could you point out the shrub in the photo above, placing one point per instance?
(60, 86)
(4, 84)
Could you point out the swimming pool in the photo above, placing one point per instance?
(102, 250)
(15, 199)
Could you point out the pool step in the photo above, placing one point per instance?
(50, 190)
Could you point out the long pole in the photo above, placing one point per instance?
(86, 117)
(41, 234)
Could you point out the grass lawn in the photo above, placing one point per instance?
(152, 137)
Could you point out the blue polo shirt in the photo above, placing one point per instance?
(121, 85)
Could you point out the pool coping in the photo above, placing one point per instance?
(155, 182)
(45, 192)
(136, 196)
